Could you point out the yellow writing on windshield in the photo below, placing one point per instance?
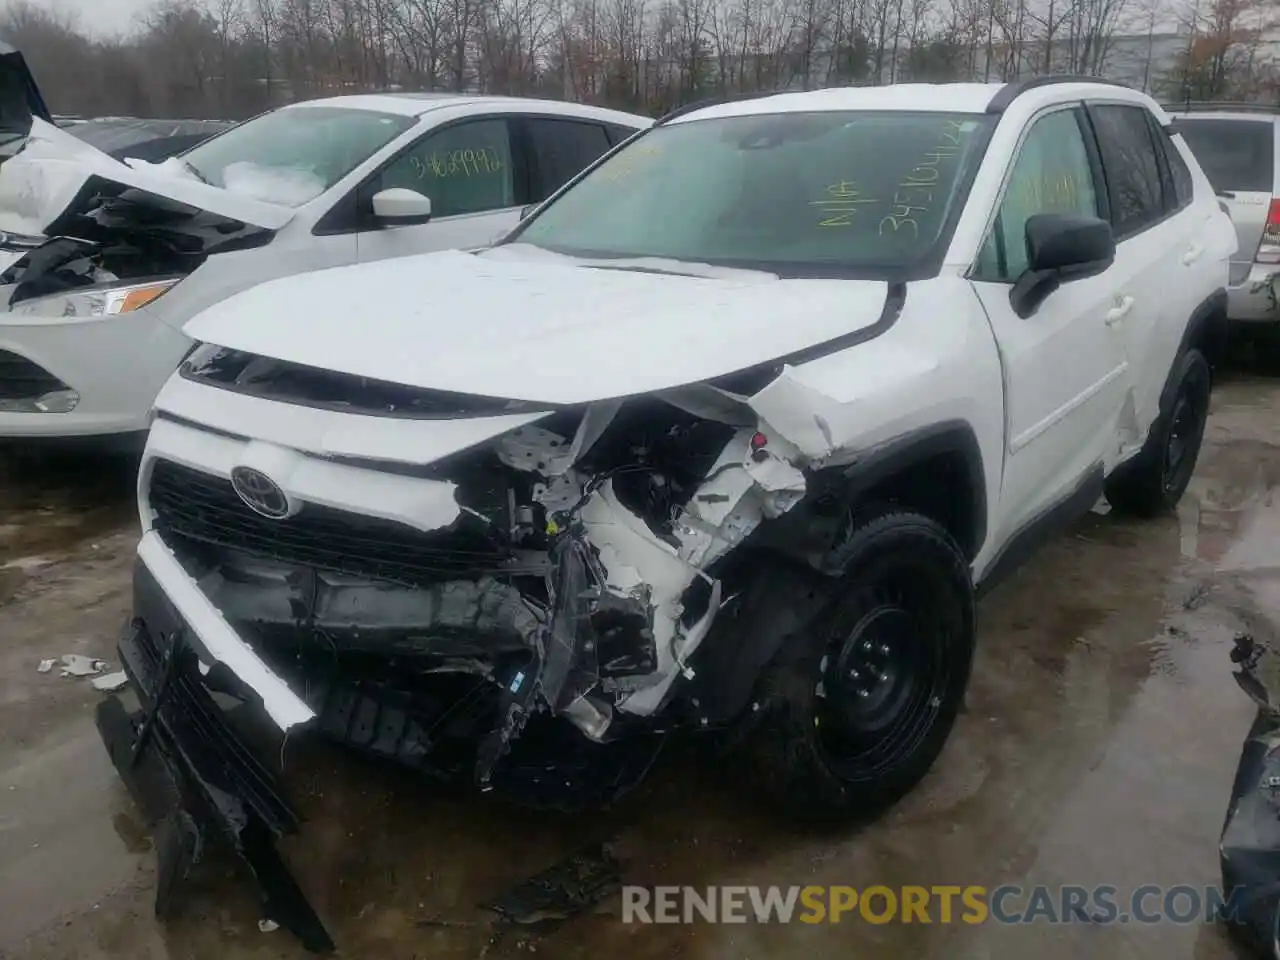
(464, 162)
(629, 161)
(916, 191)
(839, 203)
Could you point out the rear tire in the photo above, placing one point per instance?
(1154, 481)
(853, 711)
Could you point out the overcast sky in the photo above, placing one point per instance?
(100, 17)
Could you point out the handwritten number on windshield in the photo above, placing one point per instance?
(915, 194)
(840, 204)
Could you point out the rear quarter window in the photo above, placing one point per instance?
(1234, 154)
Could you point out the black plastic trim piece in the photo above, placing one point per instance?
(908, 450)
(1011, 91)
(1026, 542)
(193, 776)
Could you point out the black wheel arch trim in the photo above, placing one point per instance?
(1206, 330)
(727, 671)
(909, 450)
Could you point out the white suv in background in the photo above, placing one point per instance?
(1238, 147)
(91, 318)
(726, 435)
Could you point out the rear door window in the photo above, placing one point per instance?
(561, 149)
(1234, 154)
(1131, 165)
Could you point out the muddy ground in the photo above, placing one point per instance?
(1097, 746)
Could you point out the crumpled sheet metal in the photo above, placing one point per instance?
(1249, 847)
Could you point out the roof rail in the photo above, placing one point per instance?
(1224, 106)
(1014, 89)
(680, 111)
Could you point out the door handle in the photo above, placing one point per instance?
(1120, 310)
(1192, 254)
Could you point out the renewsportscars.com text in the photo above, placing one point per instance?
(1008, 904)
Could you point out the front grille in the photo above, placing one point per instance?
(21, 379)
(199, 508)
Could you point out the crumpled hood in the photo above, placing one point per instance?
(518, 325)
(39, 183)
(20, 98)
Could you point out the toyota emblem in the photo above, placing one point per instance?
(260, 493)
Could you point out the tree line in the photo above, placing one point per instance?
(233, 58)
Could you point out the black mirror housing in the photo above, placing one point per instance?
(1061, 247)
(1069, 244)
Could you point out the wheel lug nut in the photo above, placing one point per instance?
(882, 676)
(884, 649)
(854, 674)
(864, 693)
(866, 646)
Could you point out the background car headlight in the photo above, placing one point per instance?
(100, 301)
(108, 303)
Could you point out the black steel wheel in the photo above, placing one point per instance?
(853, 712)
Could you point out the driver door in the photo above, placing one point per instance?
(1065, 371)
(470, 170)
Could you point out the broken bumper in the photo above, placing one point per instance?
(195, 779)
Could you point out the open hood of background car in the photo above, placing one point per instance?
(39, 183)
(20, 99)
(524, 328)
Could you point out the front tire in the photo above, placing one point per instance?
(853, 712)
(1154, 481)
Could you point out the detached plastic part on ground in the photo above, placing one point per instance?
(1249, 849)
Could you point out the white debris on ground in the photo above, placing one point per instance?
(110, 682)
(268, 926)
(78, 665)
(26, 564)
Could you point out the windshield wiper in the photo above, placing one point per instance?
(191, 169)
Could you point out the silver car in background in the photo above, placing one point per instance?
(1238, 146)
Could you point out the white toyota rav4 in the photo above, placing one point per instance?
(726, 435)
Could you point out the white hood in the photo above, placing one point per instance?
(503, 324)
(37, 185)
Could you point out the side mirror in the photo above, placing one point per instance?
(1061, 247)
(527, 209)
(401, 207)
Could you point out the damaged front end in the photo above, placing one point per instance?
(520, 613)
(112, 237)
(1249, 849)
(554, 594)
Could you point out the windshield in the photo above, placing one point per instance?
(1234, 154)
(293, 155)
(109, 135)
(793, 193)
